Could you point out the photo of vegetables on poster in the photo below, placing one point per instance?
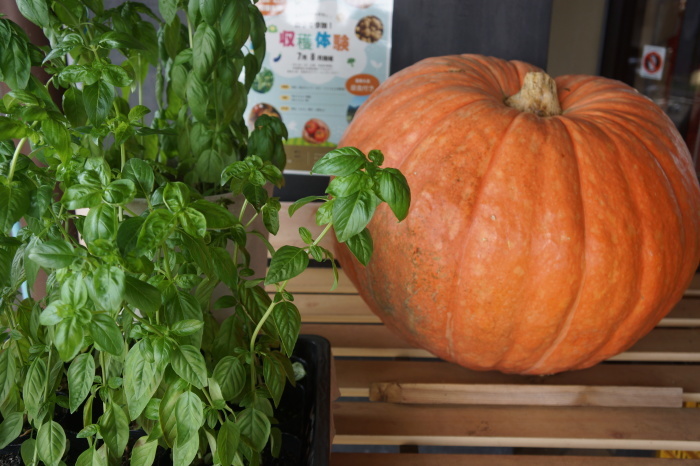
(323, 59)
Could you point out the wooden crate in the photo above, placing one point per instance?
(632, 402)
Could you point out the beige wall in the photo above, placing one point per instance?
(575, 36)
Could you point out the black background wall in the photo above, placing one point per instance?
(508, 29)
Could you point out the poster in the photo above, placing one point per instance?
(323, 59)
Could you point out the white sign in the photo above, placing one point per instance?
(653, 62)
(323, 59)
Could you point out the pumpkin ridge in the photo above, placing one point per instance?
(622, 322)
(670, 293)
(495, 151)
(571, 312)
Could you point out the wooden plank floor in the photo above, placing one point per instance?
(367, 353)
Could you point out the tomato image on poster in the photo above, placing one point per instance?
(323, 59)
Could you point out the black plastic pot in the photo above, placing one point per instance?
(304, 411)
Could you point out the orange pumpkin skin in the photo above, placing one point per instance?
(533, 244)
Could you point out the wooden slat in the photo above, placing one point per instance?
(354, 377)
(427, 459)
(670, 345)
(336, 308)
(526, 395)
(350, 308)
(368, 423)
(319, 280)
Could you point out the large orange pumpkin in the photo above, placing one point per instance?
(539, 239)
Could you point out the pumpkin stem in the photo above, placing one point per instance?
(538, 95)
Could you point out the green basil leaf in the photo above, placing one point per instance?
(172, 38)
(27, 451)
(257, 38)
(168, 10)
(188, 363)
(271, 218)
(12, 129)
(196, 248)
(107, 335)
(167, 413)
(114, 427)
(107, 288)
(74, 293)
(119, 40)
(235, 17)
(144, 452)
(33, 390)
(141, 295)
(256, 195)
(186, 327)
(128, 233)
(209, 166)
(36, 11)
(72, 74)
(211, 10)
(97, 99)
(68, 338)
(100, 223)
(352, 214)
(298, 204)
(193, 222)
(80, 196)
(184, 306)
(190, 417)
(205, 45)
(51, 314)
(275, 378)
(116, 76)
(197, 97)
(230, 374)
(286, 263)
(51, 442)
(217, 216)
(8, 374)
(176, 196)
(184, 453)
(14, 203)
(81, 373)
(141, 173)
(224, 267)
(340, 162)
(135, 115)
(54, 254)
(394, 190)
(120, 192)
(15, 64)
(57, 135)
(74, 108)
(227, 442)
(155, 230)
(287, 322)
(141, 378)
(361, 246)
(88, 431)
(255, 425)
(10, 428)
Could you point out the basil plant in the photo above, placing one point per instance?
(112, 344)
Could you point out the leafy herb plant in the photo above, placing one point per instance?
(125, 335)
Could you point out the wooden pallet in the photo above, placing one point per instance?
(632, 402)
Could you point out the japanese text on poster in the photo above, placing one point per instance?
(323, 59)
